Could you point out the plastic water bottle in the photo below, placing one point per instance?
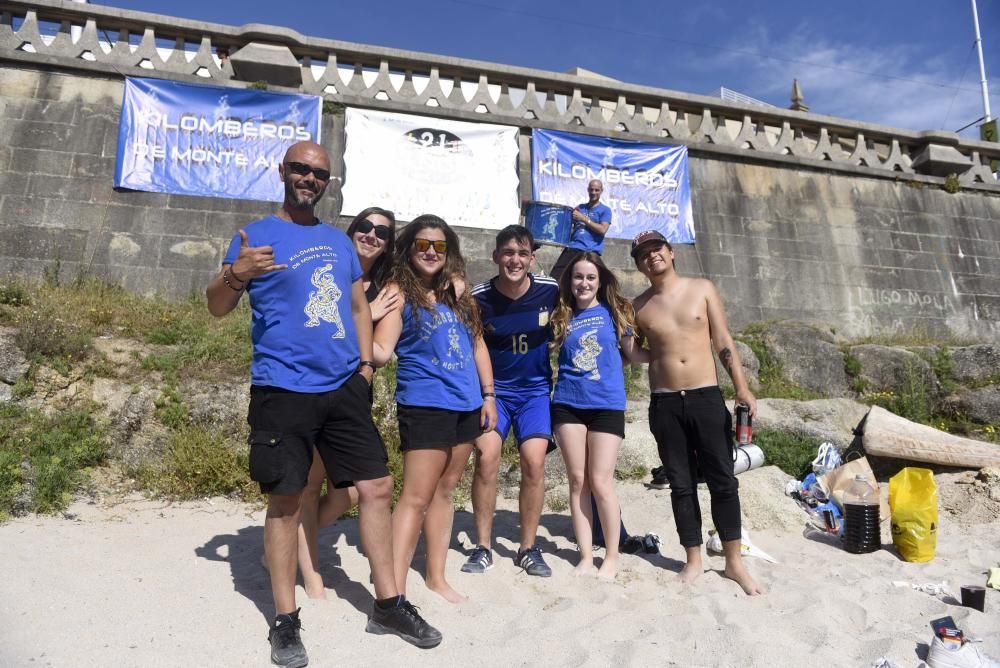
(861, 517)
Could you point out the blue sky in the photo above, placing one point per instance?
(905, 63)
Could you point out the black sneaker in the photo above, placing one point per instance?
(532, 563)
(286, 644)
(659, 480)
(405, 622)
(480, 561)
(630, 545)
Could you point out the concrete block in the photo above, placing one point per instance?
(192, 202)
(76, 215)
(49, 111)
(904, 241)
(182, 223)
(14, 183)
(22, 210)
(199, 254)
(18, 83)
(94, 166)
(134, 250)
(911, 260)
(988, 307)
(31, 161)
(77, 189)
(123, 218)
(273, 63)
(43, 243)
(40, 135)
(938, 160)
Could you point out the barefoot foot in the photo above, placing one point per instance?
(608, 570)
(738, 573)
(690, 573)
(447, 592)
(585, 567)
(314, 588)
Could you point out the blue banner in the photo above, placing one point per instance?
(646, 185)
(211, 141)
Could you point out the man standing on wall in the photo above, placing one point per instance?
(515, 306)
(311, 369)
(683, 319)
(591, 221)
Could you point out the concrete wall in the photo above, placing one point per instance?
(867, 255)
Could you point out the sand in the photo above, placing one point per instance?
(143, 583)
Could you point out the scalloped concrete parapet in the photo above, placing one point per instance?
(125, 43)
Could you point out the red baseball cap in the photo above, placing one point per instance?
(647, 237)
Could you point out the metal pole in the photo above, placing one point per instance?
(982, 67)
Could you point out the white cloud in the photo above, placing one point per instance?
(892, 85)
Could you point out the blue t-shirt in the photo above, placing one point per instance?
(583, 238)
(435, 367)
(517, 334)
(590, 366)
(302, 328)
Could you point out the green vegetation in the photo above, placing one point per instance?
(789, 451)
(913, 401)
(772, 382)
(43, 458)
(951, 184)
(198, 463)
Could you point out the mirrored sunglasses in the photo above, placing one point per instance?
(440, 245)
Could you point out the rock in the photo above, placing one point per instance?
(763, 502)
(808, 357)
(750, 364)
(989, 475)
(981, 405)
(13, 363)
(975, 365)
(824, 419)
(894, 369)
(220, 405)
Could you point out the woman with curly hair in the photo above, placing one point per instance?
(592, 328)
(444, 390)
(373, 234)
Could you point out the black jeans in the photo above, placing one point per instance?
(693, 431)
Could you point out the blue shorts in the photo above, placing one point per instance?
(529, 415)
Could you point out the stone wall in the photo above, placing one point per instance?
(863, 253)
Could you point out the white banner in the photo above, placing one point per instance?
(464, 172)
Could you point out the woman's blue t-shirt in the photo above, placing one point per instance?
(590, 366)
(302, 326)
(435, 367)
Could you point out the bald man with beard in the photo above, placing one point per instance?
(311, 370)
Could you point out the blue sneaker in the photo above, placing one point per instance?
(480, 561)
(532, 563)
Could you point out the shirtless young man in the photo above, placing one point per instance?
(683, 319)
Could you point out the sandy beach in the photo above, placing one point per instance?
(145, 583)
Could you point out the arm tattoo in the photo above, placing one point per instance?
(726, 357)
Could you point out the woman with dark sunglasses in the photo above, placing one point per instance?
(444, 391)
(373, 233)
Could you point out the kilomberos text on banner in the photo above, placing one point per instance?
(205, 140)
(464, 172)
(646, 185)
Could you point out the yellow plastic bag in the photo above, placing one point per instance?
(913, 500)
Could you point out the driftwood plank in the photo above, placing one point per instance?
(888, 435)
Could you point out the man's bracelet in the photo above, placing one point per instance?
(225, 279)
(235, 275)
(489, 395)
(367, 363)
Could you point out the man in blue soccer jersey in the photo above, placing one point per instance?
(311, 370)
(515, 307)
(591, 221)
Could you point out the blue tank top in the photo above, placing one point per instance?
(590, 365)
(435, 367)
